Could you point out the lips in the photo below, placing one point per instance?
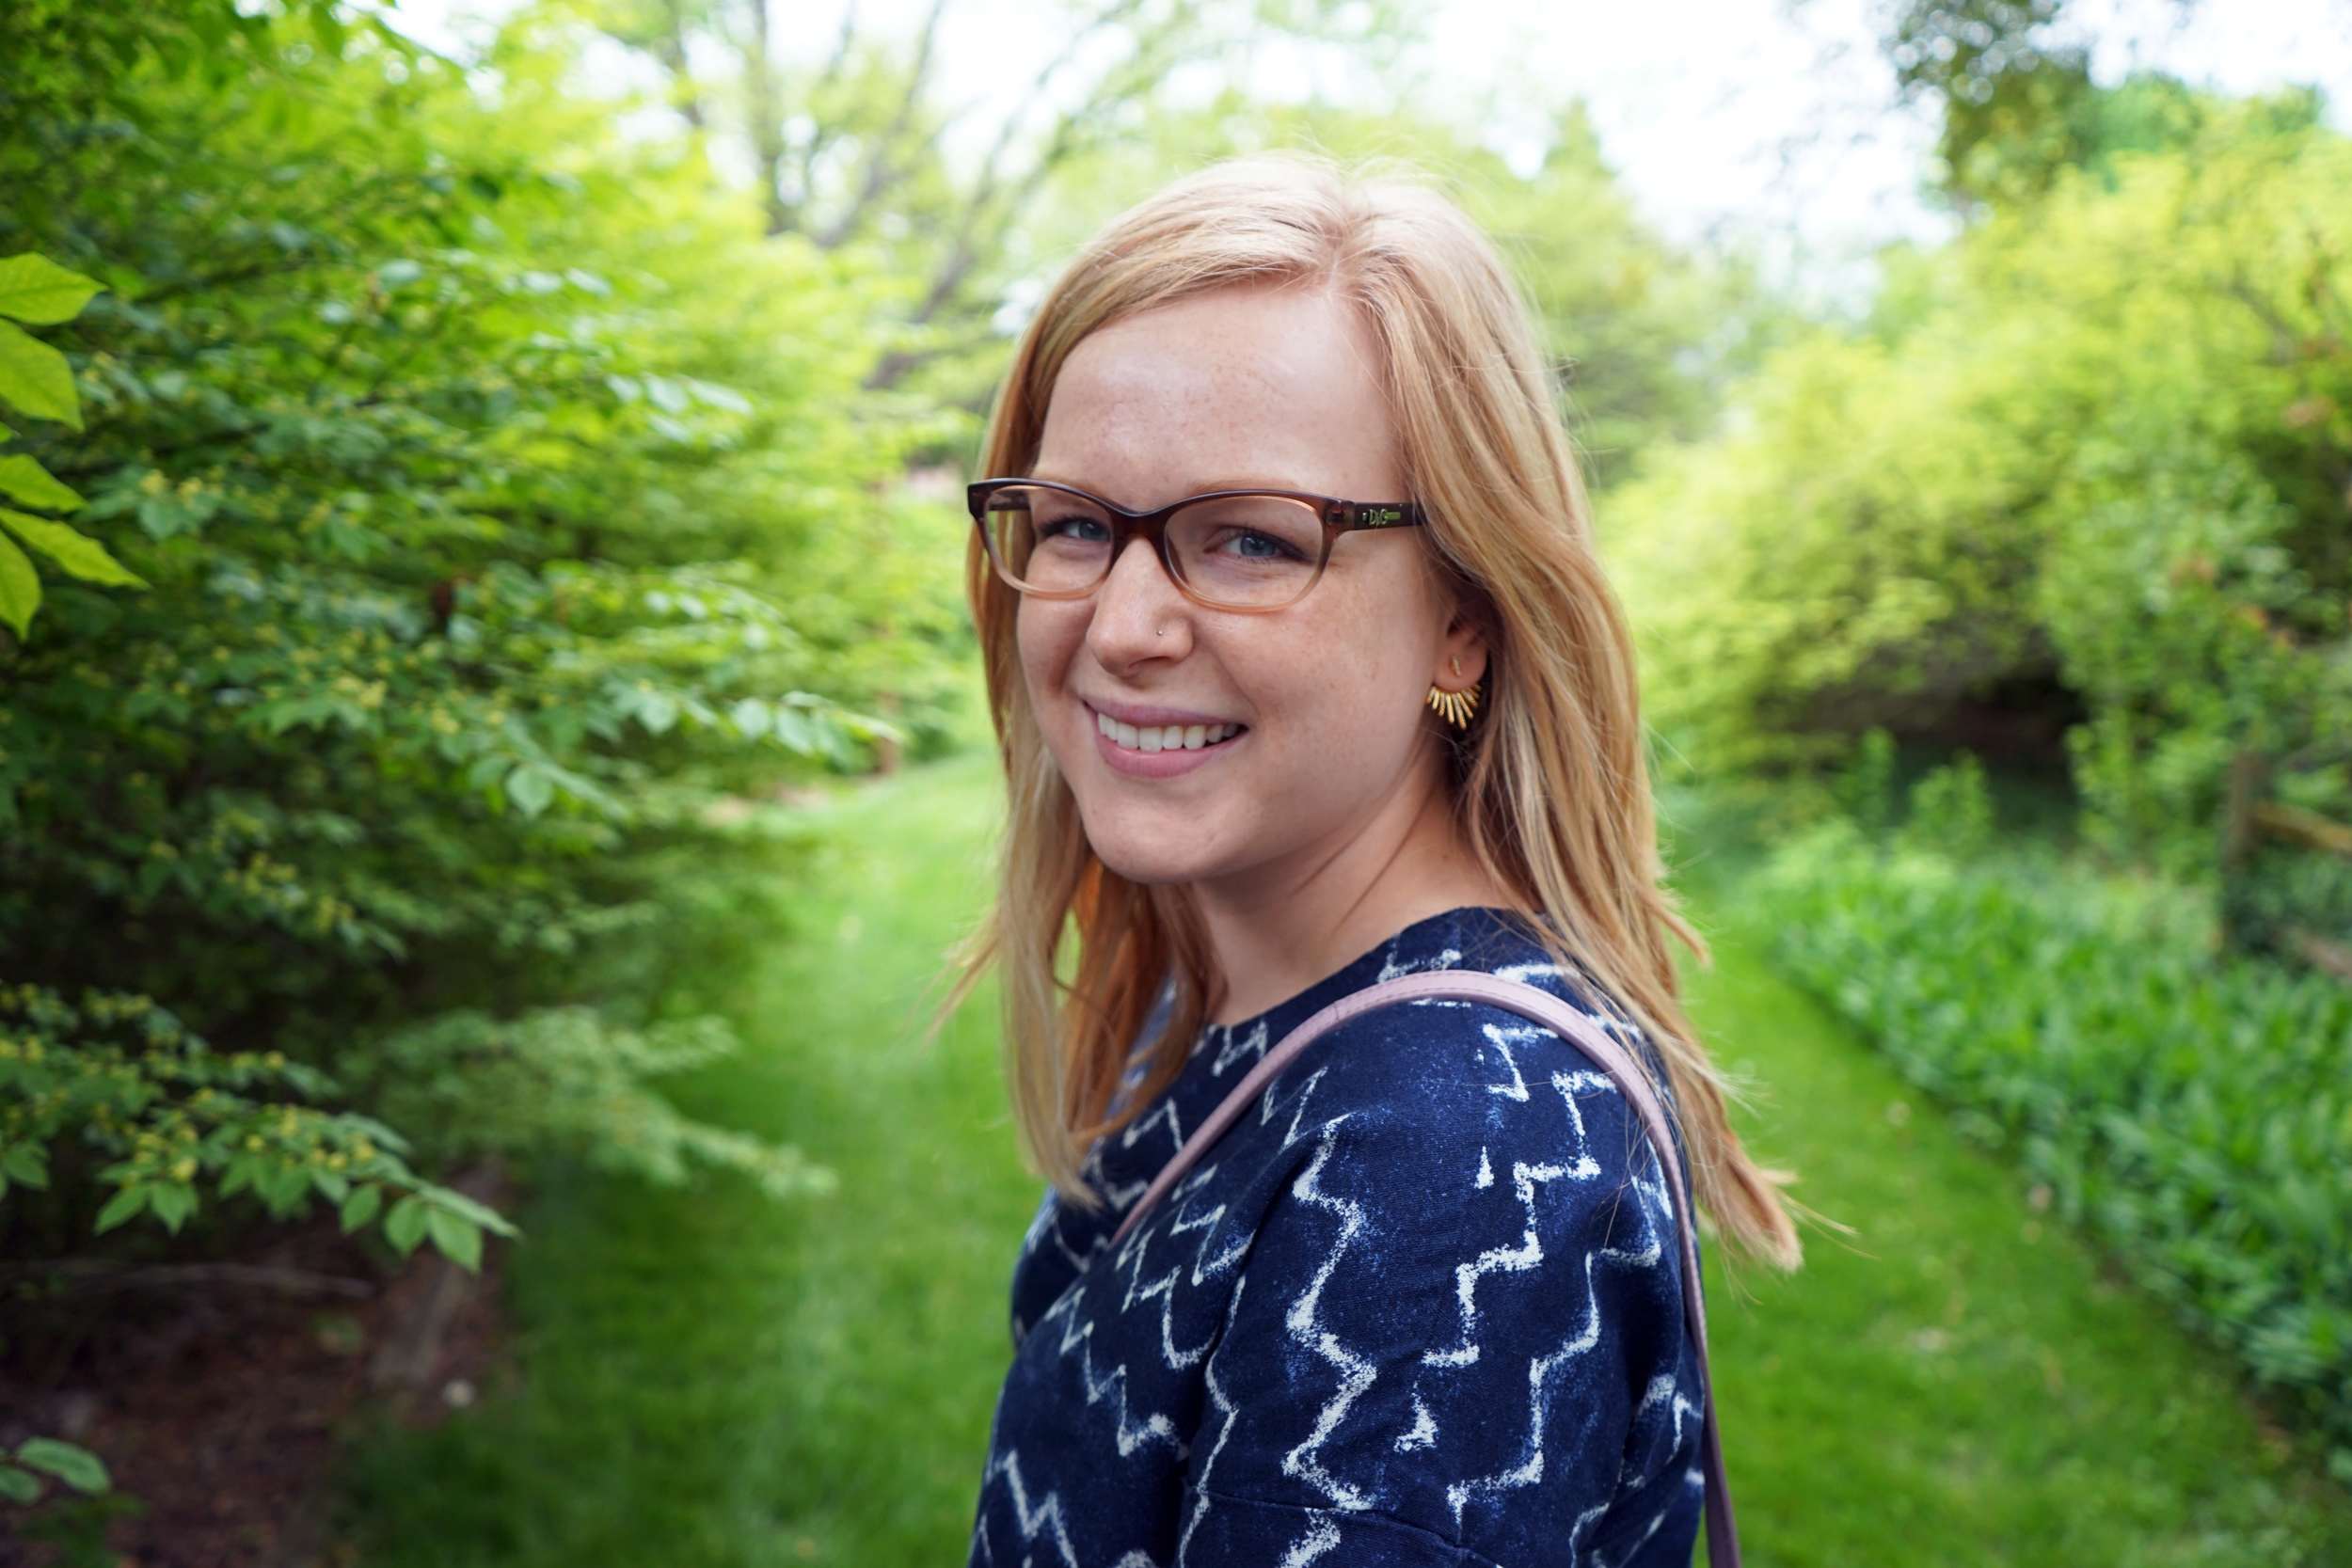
(1149, 738)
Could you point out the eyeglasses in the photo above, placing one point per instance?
(1251, 551)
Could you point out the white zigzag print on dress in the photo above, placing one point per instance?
(1419, 1308)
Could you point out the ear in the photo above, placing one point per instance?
(1461, 654)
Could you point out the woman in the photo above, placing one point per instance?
(1422, 1303)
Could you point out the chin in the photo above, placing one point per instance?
(1154, 854)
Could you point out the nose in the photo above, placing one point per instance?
(1140, 614)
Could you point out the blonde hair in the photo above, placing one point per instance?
(1550, 787)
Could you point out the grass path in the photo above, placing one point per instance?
(706, 1378)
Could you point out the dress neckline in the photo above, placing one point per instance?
(1465, 936)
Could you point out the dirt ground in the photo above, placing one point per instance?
(215, 1394)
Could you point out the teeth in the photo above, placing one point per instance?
(1170, 737)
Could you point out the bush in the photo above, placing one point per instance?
(469, 500)
(2195, 1112)
(174, 1118)
(2077, 490)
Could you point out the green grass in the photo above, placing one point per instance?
(706, 1378)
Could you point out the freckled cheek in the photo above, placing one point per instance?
(1048, 637)
(1333, 710)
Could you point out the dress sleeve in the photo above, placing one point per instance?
(1458, 1339)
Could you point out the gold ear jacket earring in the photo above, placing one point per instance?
(1455, 707)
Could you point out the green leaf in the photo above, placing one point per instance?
(26, 1164)
(19, 1486)
(76, 554)
(173, 1202)
(459, 1239)
(122, 1207)
(361, 1206)
(332, 33)
(405, 1225)
(19, 588)
(284, 1189)
(753, 718)
(77, 1468)
(474, 1214)
(28, 482)
(35, 289)
(529, 789)
(36, 378)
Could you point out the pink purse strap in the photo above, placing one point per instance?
(1607, 1052)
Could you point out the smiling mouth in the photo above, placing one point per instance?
(1169, 738)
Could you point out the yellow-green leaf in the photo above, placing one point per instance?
(459, 1240)
(28, 482)
(36, 378)
(35, 289)
(19, 588)
(405, 1225)
(361, 1206)
(123, 1206)
(76, 554)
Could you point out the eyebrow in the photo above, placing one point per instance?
(1200, 490)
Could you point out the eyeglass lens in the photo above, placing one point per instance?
(1242, 550)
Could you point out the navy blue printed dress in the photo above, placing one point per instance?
(1424, 1306)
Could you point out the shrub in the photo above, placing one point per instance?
(2076, 489)
(485, 499)
(173, 1117)
(2195, 1112)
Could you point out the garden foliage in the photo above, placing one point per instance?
(21, 1467)
(2196, 1114)
(470, 500)
(173, 1116)
(2087, 469)
(2077, 492)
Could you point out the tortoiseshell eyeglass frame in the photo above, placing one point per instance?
(1338, 517)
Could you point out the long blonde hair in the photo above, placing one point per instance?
(1550, 787)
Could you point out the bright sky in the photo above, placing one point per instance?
(1764, 117)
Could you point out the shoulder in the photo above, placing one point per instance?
(1448, 1073)
(1463, 1306)
(1414, 1115)
(1422, 1110)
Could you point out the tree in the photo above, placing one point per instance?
(2095, 479)
(2018, 103)
(855, 153)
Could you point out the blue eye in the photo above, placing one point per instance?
(1250, 545)
(1077, 530)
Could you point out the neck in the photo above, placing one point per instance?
(1278, 929)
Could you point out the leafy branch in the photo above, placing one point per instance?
(175, 1119)
(36, 379)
